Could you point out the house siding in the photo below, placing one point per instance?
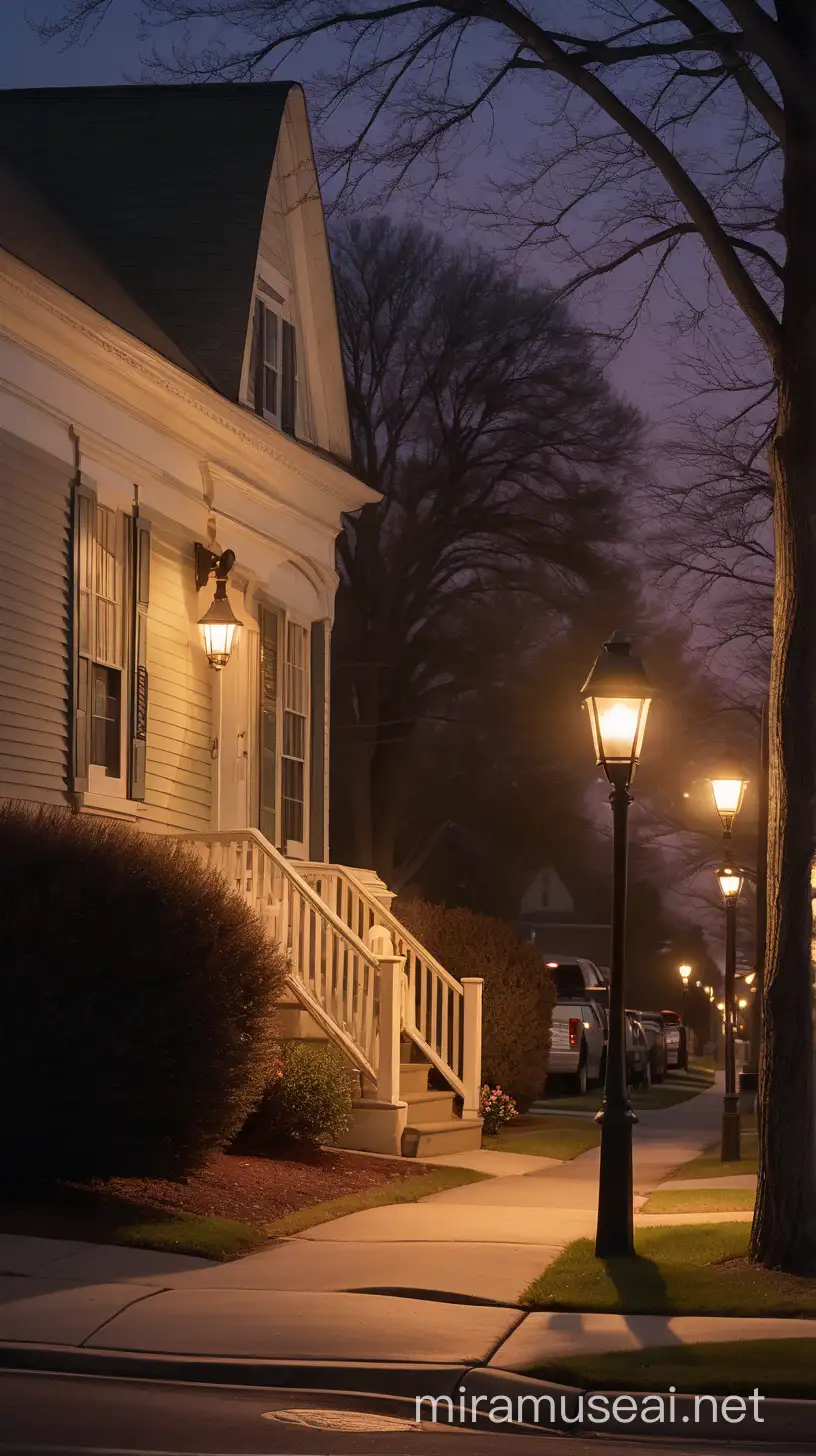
(179, 773)
(274, 243)
(35, 499)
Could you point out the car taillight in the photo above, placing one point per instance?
(576, 1028)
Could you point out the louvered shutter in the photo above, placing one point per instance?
(256, 354)
(140, 598)
(82, 626)
(289, 378)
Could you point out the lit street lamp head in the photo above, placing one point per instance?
(618, 695)
(728, 787)
(730, 881)
(685, 973)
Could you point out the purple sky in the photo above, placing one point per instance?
(112, 54)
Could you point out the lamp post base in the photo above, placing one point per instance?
(615, 1236)
(730, 1152)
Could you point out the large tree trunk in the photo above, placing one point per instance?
(784, 1232)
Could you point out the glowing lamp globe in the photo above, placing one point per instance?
(730, 881)
(618, 695)
(728, 787)
(218, 627)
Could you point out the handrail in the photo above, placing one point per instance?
(441, 1013)
(331, 970)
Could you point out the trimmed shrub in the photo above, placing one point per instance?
(136, 997)
(308, 1097)
(518, 990)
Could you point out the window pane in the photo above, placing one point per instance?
(270, 337)
(270, 389)
(295, 720)
(108, 578)
(293, 800)
(106, 722)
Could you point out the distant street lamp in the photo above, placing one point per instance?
(728, 788)
(617, 695)
(730, 881)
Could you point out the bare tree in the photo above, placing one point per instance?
(654, 124)
(478, 411)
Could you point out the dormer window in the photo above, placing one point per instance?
(274, 365)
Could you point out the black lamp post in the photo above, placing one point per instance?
(617, 695)
(730, 881)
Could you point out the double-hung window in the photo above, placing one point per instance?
(101, 630)
(111, 582)
(273, 366)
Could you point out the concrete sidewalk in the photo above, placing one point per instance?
(174, 1307)
(348, 1289)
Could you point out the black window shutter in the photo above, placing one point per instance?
(256, 357)
(83, 508)
(140, 597)
(318, 848)
(289, 381)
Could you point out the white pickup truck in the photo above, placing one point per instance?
(577, 1043)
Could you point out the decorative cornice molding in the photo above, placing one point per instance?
(32, 295)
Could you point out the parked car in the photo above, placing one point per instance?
(577, 1043)
(638, 1063)
(573, 977)
(674, 1049)
(655, 1029)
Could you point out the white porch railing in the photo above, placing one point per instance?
(442, 1016)
(332, 972)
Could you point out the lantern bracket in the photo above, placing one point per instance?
(211, 563)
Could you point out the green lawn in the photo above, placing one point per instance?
(678, 1087)
(710, 1164)
(688, 1269)
(700, 1200)
(546, 1137)
(209, 1238)
(785, 1368)
(410, 1190)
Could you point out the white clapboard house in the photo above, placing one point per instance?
(174, 442)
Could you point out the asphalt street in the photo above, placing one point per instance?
(64, 1415)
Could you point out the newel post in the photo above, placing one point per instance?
(388, 1068)
(472, 1044)
(391, 967)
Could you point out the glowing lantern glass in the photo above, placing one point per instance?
(618, 696)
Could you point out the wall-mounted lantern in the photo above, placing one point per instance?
(219, 623)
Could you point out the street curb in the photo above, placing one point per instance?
(783, 1420)
(788, 1420)
(361, 1377)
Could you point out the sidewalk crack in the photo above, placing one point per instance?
(139, 1299)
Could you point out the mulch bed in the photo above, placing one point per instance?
(232, 1186)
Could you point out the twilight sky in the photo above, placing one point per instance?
(112, 54)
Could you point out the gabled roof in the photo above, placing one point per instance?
(164, 186)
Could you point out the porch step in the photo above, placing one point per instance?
(413, 1078)
(452, 1136)
(428, 1108)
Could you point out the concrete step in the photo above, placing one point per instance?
(428, 1107)
(413, 1077)
(451, 1136)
